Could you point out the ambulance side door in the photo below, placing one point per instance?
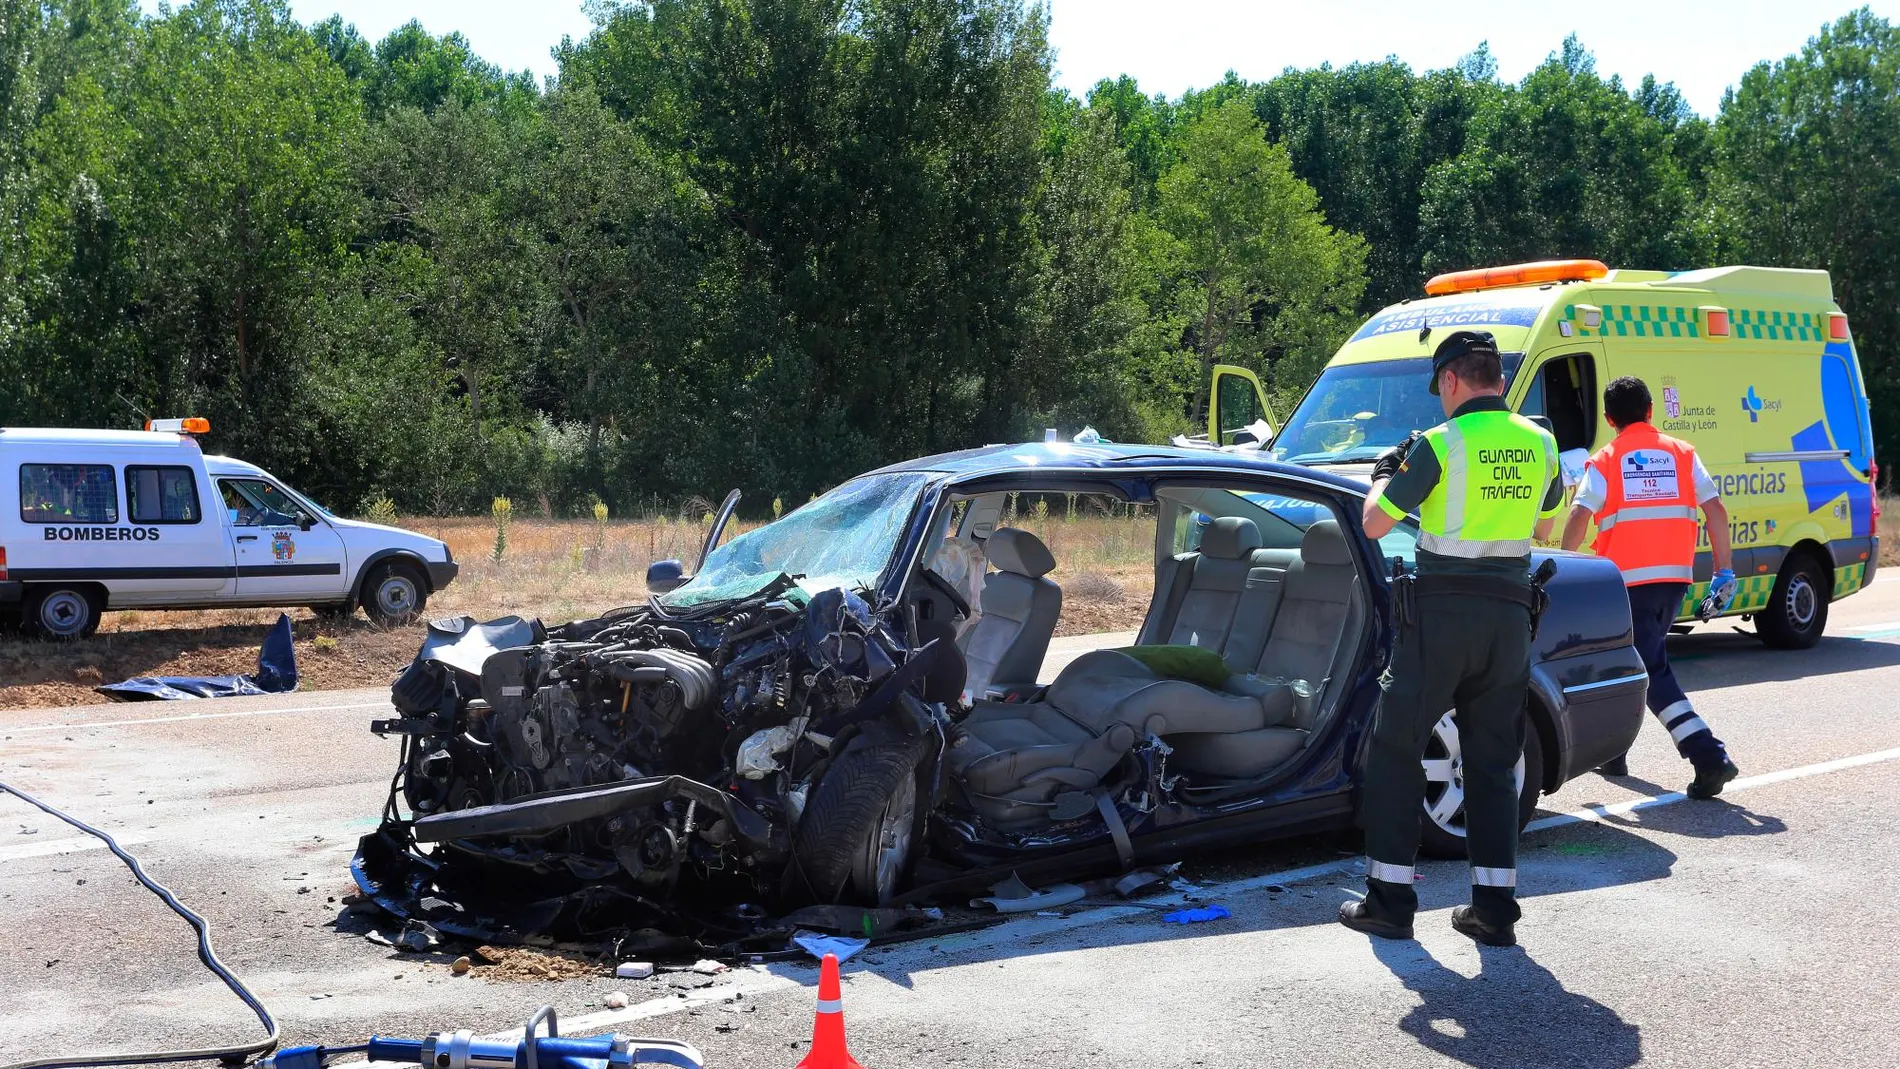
(1564, 385)
(285, 554)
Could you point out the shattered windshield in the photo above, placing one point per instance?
(1357, 411)
(843, 539)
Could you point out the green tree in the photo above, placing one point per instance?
(1807, 174)
(1265, 277)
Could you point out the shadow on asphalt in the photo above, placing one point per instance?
(1716, 818)
(1514, 1013)
(1718, 661)
(1582, 857)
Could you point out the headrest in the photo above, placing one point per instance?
(1324, 544)
(1013, 549)
(1230, 538)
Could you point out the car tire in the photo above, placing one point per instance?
(858, 836)
(394, 593)
(63, 613)
(1442, 832)
(1796, 614)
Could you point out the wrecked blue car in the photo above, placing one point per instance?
(826, 711)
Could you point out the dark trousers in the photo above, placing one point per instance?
(1471, 654)
(1653, 609)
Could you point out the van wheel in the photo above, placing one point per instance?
(63, 613)
(1442, 831)
(1796, 613)
(394, 594)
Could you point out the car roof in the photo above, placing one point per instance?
(1107, 458)
(72, 436)
(218, 465)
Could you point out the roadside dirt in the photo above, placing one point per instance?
(539, 577)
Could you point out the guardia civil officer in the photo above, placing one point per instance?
(1644, 489)
(1483, 482)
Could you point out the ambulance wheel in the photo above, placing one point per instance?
(394, 594)
(63, 613)
(1796, 613)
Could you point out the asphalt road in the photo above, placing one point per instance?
(1745, 931)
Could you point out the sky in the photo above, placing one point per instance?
(1703, 46)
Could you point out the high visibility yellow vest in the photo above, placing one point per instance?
(1495, 468)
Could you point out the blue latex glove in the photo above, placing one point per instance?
(1723, 586)
(1195, 916)
(1722, 589)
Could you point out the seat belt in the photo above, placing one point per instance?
(1124, 847)
(1332, 658)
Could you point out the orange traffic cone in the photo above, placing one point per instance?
(827, 1032)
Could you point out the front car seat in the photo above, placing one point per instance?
(1019, 609)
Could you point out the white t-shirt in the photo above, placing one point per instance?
(1595, 489)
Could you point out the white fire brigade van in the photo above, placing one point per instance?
(95, 520)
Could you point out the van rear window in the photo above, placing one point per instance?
(161, 495)
(68, 493)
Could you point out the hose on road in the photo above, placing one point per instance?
(205, 954)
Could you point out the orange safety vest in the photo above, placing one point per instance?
(1647, 524)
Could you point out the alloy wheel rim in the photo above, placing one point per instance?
(890, 847)
(1444, 763)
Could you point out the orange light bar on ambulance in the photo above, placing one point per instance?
(1836, 327)
(189, 425)
(1714, 320)
(1486, 278)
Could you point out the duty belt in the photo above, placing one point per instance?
(1408, 587)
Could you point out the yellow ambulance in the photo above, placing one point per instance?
(1754, 366)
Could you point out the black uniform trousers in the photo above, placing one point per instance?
(1471, 653)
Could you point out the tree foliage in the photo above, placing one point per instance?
(771, 243)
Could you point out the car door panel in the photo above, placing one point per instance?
(284, 554)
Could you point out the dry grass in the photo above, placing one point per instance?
(557, 570)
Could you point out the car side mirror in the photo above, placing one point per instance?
(666, 575)
(1245, 437)
(306, 522)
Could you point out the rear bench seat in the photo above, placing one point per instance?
(1013, 759)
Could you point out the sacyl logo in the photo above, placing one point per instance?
(1755, 406)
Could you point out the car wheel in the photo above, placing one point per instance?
(63, 613)
(1796, 613)
(859, 832)
(1442, 832)
(394, 594)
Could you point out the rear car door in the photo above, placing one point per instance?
(285, 553)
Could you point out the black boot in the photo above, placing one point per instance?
(1467, 922)
(1617, 766)
(1356, 916)
(1710, 779)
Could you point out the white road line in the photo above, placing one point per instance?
(64, 846)
(757, 980)
(1884, 625)
(190, 716)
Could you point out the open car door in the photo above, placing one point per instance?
(1237, 409)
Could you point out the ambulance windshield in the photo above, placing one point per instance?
(1357, 411)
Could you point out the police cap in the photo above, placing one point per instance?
(1459, 343)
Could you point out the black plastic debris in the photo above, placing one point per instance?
(276, 674)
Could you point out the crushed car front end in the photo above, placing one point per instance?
(763, 736)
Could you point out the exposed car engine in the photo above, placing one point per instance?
(600, 774)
